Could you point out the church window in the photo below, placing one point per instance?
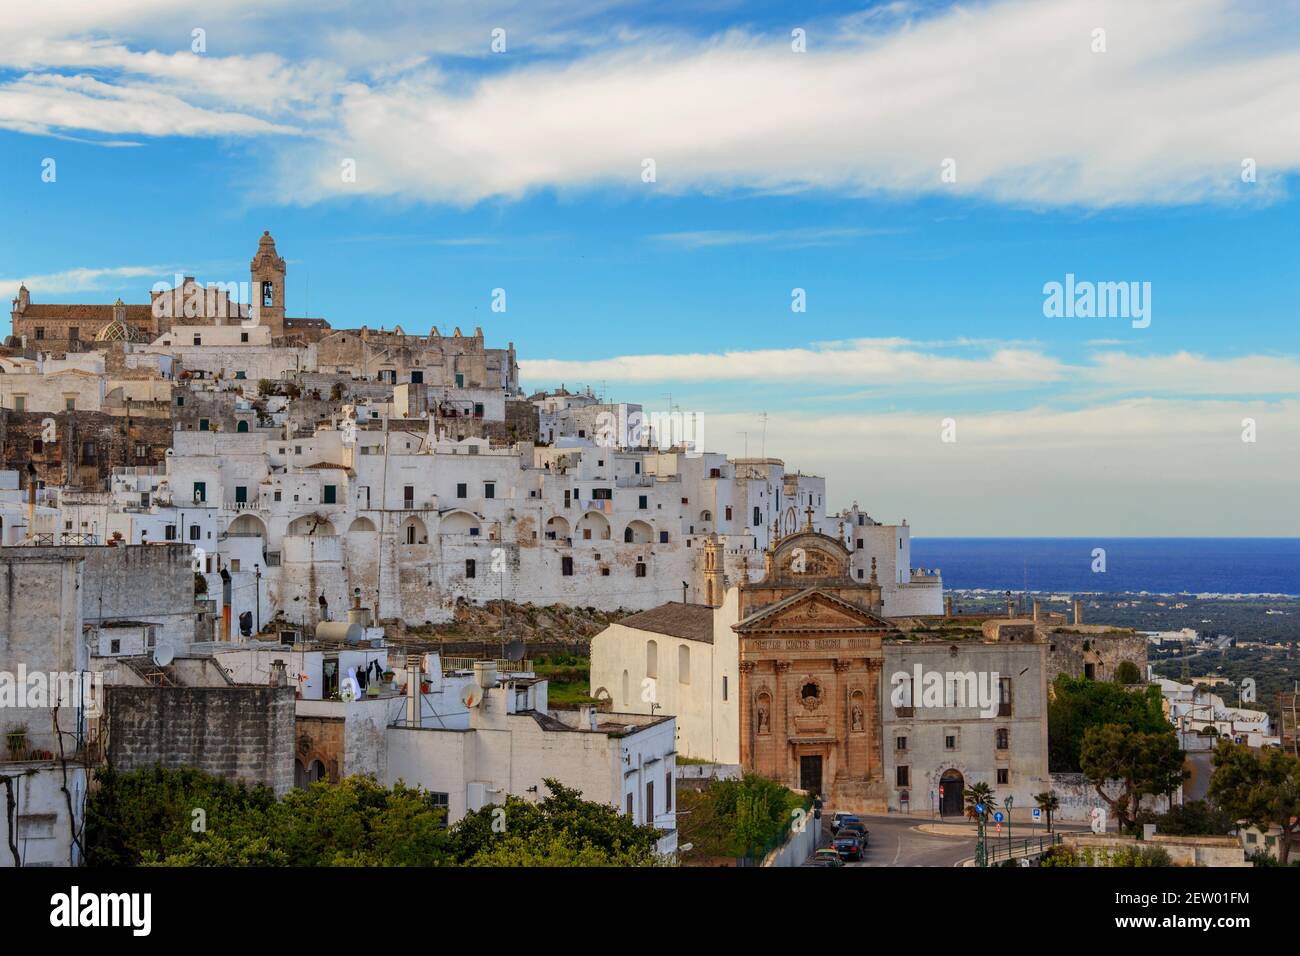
(40, 333)
(1004, 776)
(900, 743)
(810, 692)
(758, 517)
(902, 777)
(1004, 738)
(683, 664)
(724, 687)
(268, 294)
(469, 567)
(640, 569)
(652, 659)
(566, 566)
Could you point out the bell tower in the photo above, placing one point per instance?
(267, 274)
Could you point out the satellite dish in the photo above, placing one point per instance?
(471, 695)
(515, 650)
(163, 653)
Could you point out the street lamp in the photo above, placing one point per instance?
(1007, 803)
(257, 594)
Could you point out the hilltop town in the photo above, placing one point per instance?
(248, 543)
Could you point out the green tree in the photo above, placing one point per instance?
(1127, 673)
(489, 834)
(976, 794)
(1142, 763)
(1261, 789)
(1078, 704)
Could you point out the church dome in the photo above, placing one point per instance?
(118, 331)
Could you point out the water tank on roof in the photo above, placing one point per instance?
(340, 632)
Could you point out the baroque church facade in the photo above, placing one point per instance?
(810, 658)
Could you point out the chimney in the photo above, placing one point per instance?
(278, 678)
(1035, 610)
(31, 502)
(947, 605)
(1078, 611)
(413, 690)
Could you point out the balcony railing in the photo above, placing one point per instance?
(44, 539)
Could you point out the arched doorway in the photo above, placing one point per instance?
(953, 801)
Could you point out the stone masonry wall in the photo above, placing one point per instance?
(243, 733)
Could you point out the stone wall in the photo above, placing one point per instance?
(243, 733)
(1074, 649)
(88, 445)
(1182, 850)
(1078, 796)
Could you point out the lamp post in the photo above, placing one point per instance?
(1007, 803)
(257, 595)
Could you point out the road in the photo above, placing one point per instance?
(895, 842)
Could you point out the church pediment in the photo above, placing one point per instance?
(811, 611)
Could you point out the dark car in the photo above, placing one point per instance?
(826, 857)
(840, 819)
(855, 828)
(848, 846)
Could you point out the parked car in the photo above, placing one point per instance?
(856, 828)
(848, 846)
(826, 856)
(840, 819)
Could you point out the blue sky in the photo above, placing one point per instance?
(775, 170)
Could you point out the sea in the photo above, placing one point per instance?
(1200, 566)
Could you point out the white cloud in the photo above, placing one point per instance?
(865, 362)
(1012, 91)
(901, 364)
(1140, 467)
(83, 279)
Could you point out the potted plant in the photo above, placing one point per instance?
(16, 741)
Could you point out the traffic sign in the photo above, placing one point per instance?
(979, 808)
(999, 818)
(1038, 813)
